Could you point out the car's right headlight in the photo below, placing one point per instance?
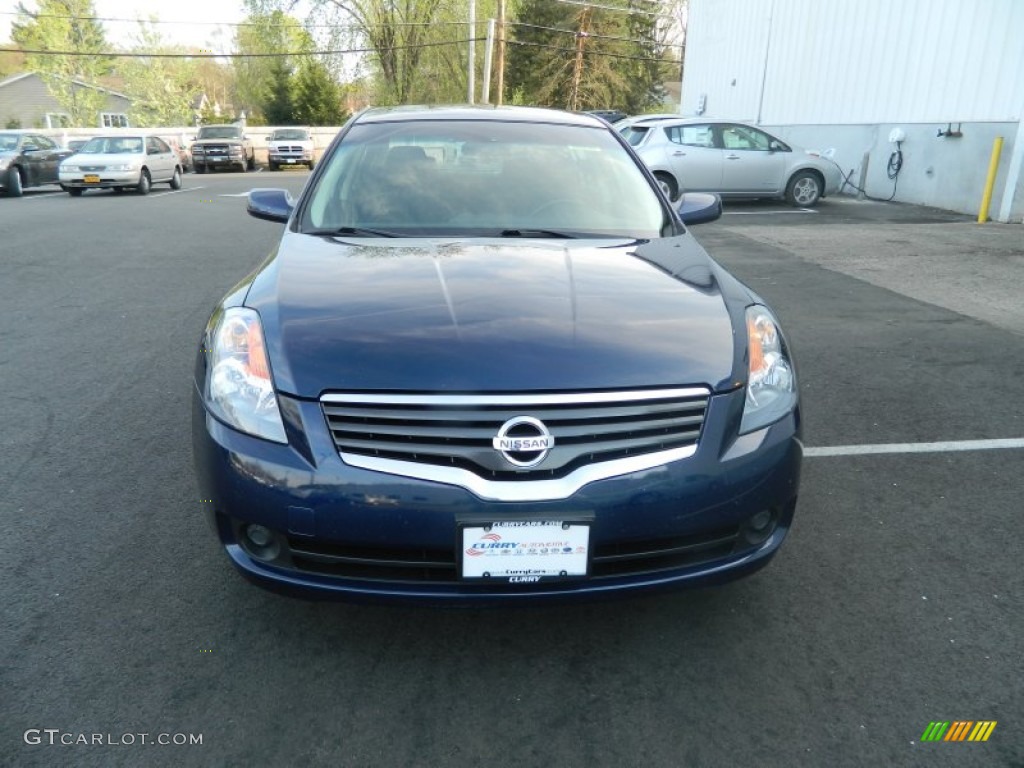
(69, 168)
(239, 389)
(771, 382)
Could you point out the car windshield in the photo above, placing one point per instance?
(289, 135)
(219, 132)
(112, 145)
(483, 178)
(8, 142)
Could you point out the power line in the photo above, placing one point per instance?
(595, 53)
(620, 9)
(592, 35)
(229, 23)
(137, 55)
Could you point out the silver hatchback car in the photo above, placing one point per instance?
(732, 159)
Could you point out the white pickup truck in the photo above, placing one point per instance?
(290, 146)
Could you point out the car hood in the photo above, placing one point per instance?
(119, 158)
(494, 315)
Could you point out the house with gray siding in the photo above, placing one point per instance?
(26, 101)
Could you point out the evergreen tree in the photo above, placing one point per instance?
(317, 95)
(279, 109)
(578, 57)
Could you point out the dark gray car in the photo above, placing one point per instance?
(28, 160)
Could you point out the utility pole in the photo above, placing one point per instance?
(471, 84)
(577, 70)
(488, 56)
(501, 52)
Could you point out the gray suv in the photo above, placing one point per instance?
(222, 146)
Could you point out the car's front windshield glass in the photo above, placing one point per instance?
(112, 145)
(219, 133)
(483, 178)
(293, 135)
(8, 142)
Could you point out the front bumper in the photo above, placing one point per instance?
(107, 179)
(218, 161)
(356, 534)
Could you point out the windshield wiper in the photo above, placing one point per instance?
(535, 233)
(356, 232)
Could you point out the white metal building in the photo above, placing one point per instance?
(843, 74)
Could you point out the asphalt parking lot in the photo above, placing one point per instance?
(896, 601)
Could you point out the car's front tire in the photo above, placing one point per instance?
(668, 185)
(176, 179)
(74, 191)
(200, 169)
(15, 188)
(804, 189)
(144, 183)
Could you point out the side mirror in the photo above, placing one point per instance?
(699, 208)
(270, 204)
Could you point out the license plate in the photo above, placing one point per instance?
(290, 160)
(216, 159)
(91, 179)
(525, 551)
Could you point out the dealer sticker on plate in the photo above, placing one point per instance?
(525, 551)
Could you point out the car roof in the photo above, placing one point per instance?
(503, 114)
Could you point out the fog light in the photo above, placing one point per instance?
(259, 535)
(760, 526)
(261, 542)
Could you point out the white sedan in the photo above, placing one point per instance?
(119, 163)
(732, 159)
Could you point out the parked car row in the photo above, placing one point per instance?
(29, 159)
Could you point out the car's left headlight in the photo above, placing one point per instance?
(4, 162)
(771, 383)
(239, 389)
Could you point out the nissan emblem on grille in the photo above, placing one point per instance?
(523, 441)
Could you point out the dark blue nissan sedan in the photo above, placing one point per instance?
(487, 363)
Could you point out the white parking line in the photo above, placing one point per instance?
(766, 213)
(175, 191)
(240, 194)
(878, 448)
(42, 195)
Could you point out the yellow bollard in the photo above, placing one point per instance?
(990, 182)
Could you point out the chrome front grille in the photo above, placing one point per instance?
(397, 432)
